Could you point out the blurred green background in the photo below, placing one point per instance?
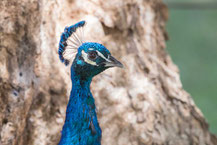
(193, 47)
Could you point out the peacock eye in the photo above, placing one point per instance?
(92, 55)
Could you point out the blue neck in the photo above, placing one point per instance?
(81, 125)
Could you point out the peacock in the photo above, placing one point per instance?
(87, 59)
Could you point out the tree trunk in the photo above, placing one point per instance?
(140, 105)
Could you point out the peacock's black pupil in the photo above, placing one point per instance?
(92, 55)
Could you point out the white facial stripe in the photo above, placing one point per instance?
(85, 57)
(101, 55)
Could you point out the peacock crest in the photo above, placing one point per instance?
(71, 39)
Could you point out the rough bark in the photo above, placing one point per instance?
(141, 104)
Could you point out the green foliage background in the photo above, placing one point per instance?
(193, 47)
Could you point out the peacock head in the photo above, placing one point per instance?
(88, 58)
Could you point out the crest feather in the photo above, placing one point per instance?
(71, 39)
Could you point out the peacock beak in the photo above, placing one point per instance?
(113, 62)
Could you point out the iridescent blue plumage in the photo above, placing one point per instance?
(81, 125)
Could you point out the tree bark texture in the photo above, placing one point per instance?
(142, 104)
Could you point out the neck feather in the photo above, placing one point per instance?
(81, 124)
(78, 81)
